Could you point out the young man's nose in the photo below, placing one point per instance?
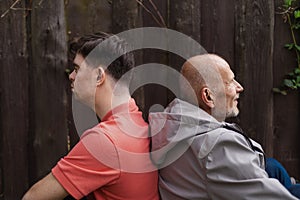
(72, 76)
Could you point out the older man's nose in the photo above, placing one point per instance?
(239, 87)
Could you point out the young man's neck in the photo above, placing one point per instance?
(105, 102)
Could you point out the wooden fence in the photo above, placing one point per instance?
(35, 113)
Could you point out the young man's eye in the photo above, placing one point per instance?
(76, 68)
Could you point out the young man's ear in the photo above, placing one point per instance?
(100, 75)
(207, 97)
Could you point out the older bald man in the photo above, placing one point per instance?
(199, 155)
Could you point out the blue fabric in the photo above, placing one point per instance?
(295, 190)
(277, 171)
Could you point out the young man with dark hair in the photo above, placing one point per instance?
(111, 160)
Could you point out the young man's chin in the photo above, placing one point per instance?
(86, 101)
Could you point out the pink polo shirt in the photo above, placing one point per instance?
(111, 160)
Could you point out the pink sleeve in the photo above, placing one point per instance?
(91, 164)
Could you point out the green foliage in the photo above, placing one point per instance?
(297, 14)
(291, 14)
(68, 71)
(288, 3)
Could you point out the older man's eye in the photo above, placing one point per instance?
(229, 82)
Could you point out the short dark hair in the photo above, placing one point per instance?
(113, 47)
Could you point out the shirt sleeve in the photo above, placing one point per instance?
(233, 171)
(91, 164)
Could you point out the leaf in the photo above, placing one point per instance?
(296, 26)
(297, 14)
(297, 71)
(291, 74)
(279, 91)
(283, 92)
(297, 47)
(288, 83)
(67, 71)
(289, 46)
(288, 3)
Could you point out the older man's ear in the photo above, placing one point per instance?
(207, 98)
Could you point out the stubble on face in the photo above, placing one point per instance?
(232, 89)
(84, 83)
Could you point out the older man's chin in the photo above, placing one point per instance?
(234, 113)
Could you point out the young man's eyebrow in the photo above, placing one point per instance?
(76, 65)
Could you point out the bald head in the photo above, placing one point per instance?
(203, 71)
(203, 64)
(212, 81)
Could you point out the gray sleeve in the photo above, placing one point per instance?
(234, 172)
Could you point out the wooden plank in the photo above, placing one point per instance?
(255, 65)
(88, 16)
(286, 108)
(14, 103)
(150, 19)
(217, 28)
(155, 94)
(185, 17)
(48, 115)
(125, 15)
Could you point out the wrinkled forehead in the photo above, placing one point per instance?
(210, 64)
(212, 68)
(225, 72)
(223, 67)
